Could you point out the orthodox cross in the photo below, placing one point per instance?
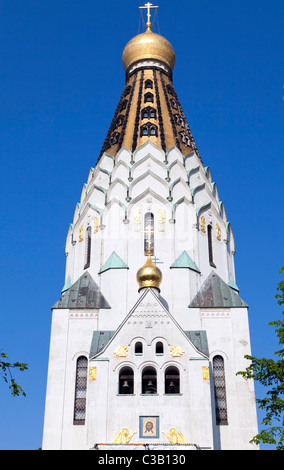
(148, 6)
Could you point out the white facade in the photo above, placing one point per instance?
(197, 318)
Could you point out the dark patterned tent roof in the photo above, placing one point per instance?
(84, 293)
(215, 293)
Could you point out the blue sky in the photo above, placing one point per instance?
(61, 77)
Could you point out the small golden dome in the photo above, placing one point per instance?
(149, 275)
(148, 45)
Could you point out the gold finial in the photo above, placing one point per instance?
(148, 6)
(149, 275)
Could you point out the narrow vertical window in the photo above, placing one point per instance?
(80, 390)
(220, 390)
(159, 348)
(88, 247)
(138, 348)
(149, 234)
(210, 246)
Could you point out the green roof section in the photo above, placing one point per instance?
(232, 283)
(84, 293)
(99, 341)
(215, 293)
(113, 262)
(185, 261)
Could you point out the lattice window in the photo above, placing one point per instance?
(149, 234)
(80, 390)
(220, 390)
(88, 247)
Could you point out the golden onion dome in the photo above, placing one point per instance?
(148, 45)
(149, 275)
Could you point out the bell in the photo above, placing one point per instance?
(150, 389)
(171, 387)
(125, 387)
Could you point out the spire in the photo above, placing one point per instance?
(149, 108)
(148, 6)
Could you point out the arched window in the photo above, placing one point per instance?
(88, 247)
(148, 129)
(159, 348)
(172, 380)
(210, 246)
(148, 113)
(149, 233)
(220, 390)
(138, 348)
(149, 381)
(148, 97)
(126, 381)
(80, 390)
(148, 83)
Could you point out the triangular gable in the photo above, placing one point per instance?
(185, 261)
(113, 262)
(215, 293)
(84, 293)
(195, 343)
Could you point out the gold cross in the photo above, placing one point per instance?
(148, 6)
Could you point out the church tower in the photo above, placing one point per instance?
(150, 330)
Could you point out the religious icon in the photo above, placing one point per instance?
(148, 426)
(81, 233)
(123, 437)
(175, 437)
(176, 351)
(121, 351)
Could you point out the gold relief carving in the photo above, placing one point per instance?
(175, 437)
(176, 351)
(161, 215)
(202, 224)
(123, 436)
(96, 224)
(136, 216)
(121, 351)
(218, 232)
(81, 233)
(205, 373)
(93, 373)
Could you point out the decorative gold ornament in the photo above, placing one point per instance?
(161, 215)
(149, 275)
(136, 216)
(121, 351)
(202, 224)
(123, 436)
(205, 373)
(81, 233)
(218, 232)
(93, 373)
(175, 437)
(176, 351)
(96, 224)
